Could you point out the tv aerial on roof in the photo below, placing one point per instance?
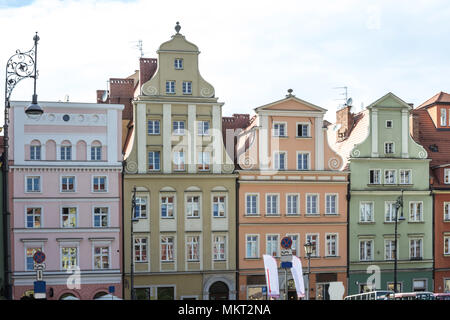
(105, 93)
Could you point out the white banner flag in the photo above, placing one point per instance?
(297, 274)
(271, 271)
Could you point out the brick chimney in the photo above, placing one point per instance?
(147, 68)
(414, 125)
(122, 92)
(344, 118)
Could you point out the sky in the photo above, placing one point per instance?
(252, 52)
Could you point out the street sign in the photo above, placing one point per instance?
(286, 243)
(39, 257)
(264, 290)
(286, 265)
(39, 290)
(111, 289)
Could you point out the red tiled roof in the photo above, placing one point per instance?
(439, 97)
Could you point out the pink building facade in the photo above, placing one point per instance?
(65, 187)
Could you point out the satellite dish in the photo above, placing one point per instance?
(349, 102)
(105, 95)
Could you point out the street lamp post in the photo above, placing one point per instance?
(132, 221)
(21, 65)
(398, 204)
(308, 251)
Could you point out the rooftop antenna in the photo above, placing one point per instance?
(105, 93)
(139, 46)
(348, 101)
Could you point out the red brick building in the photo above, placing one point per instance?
(431, 128)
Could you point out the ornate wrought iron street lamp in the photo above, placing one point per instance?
(398, 204)
(308, 251)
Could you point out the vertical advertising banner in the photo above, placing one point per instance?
(271, 272)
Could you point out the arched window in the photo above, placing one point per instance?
(68, 296)
(35, 150)
(218, 291)
(96, 151)
(66, 150)
(100, 294)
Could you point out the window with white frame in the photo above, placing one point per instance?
(219, 253)
(447, 245)
(153, 127)
(203, 128)
(193, 248)
(405, 176)
(170, 87)
(251, 245)
(295, 247)
(30, 251)
(167, 207)
(447, 176)
(272, 245)
(69, 257)
(302, 161)
(35, 152)
(416, 211)
(312, 204)
(34, 217)
(331, 204)
(419, 285)
(96, 153)
(178, 161)
(68, 183)
(204, 160)
(389, 211)
(415, 249)
(33, 184)
(279, 160)
(66, 152)
(389, 249)
(279, 129)
(193, 206)
(446, 211)
(366, 250)
(178, 128)
(331, 244)
(167, 249)
(389, 147)
(69, 217)
(101, 257)
(178, 64)
(389, 176)
(140, 249)
(366, 212)
(272, 204)
(219, 206)
(140, 211)
(443, 117)
(292, 204)
(187, 87)
(251, 204)
(314, 240)
(303, 130)
(154, 160)
(101, 217)
(375, 176)
(99, 183)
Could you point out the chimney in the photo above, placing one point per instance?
(414, 125)
(122, 92)
(345, 119)
(147, 68)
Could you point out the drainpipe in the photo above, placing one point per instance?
(433, 239)
(238, 290)
(123, 228)
(348, 234)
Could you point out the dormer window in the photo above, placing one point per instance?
(389, 124)
(443, 117)
(170, 87)
(178, 64)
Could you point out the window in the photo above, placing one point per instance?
(405, 176)
(388, 147)
(366, 250)
(280, 161)
(390, 211)
(69, 257)
(415, 211)
(29, 258)
(167, 203)
(153, 161)
(219, 253)
(33, 184)
(389, 176)
(390, 286)
(389, 124)
(153, 127)
(170, 87)
(272, 204)
(252, 204)
(375, 176)
(68, 184)
(178, 161)
(99, 183)
(311, 204)
(295, 244)
(69, 217)
(292, 204)
(219, 206)
(193, 248)
(251, 246)
(140, 211)
(35, 152)
(331, 204)
(140, 249)
(415, 249)
(279, 129)
(34, 218)
(101, 258)
(443, 117)
(302, 161)
(167, 249)
(447, 245)
(101, 217)
(419, 285)
(66, 152)
(332, 245)
(446, 211)
(314, 240)
(389, 249)
(203, 161)
(165, 293)
(203, 128)
(193, 207)
(187, 87)
(178, 128)
(302, 130)
(366, 212)
(178, 63)
(447, 176)
(272, 245)
(96, 153)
